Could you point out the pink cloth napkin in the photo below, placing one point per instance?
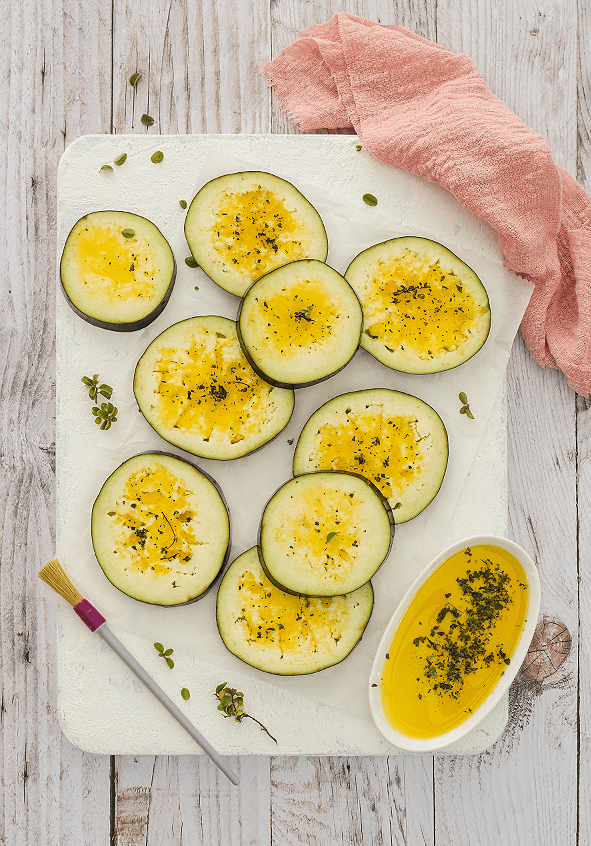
(427, 110)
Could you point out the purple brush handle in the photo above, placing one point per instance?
(96, 623)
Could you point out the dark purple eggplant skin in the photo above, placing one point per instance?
(376, 490)
(262, 446)
(290, 385)
(122, 327)
(224, 563)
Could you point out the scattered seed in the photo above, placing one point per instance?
(147, 120)
(190, 262)
(183, 204)
(133, 79)
(128, 233)
(185, 693)
(369, 200)
(157, 157)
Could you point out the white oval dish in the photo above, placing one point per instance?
(430, 744)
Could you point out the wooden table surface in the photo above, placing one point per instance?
(65, 70)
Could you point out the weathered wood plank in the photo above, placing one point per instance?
(377, 800)
(528, 58)
(56, 76)
(169, 801)
(199, 64)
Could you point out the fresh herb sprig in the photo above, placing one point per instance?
(231, 702)
(105, 415)
(165, 653)
(94, 389)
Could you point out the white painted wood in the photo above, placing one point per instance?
(56, 81)
(519, 791)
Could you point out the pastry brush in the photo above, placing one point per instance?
(54, 575)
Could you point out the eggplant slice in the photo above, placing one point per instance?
(395, 440)
(195, 387)
(242, 225)
(325, 534)
(424, 309)
(117, 270)
(300, 324)
(282, 633)
(160, 529)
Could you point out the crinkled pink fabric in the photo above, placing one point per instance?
(423, 108)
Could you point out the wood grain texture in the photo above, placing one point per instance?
(522, 52)
(53, 793)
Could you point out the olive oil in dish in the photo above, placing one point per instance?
(455, 641)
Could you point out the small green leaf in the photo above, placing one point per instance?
(358, 147)
(463, 398)
(159, 647)
(157, 157)
(121, 159)
(220, 687)
(133, 79)
(330, 536)
(183, 204)
(147, 120)
(190, 262)
(463, 409)
(106, 167)
(169, 651)
(369, 200)
(170, 662)
(469, 413)
(128, 233)
(185, 693)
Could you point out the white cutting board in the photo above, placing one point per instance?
(102, 707)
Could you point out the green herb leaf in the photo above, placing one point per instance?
(128, 233)
(157, 157)
(463, 398)
(330, 536)
(369, 200)
(147, 120)
(358, 147)
(463, 409)
(106, 167)
(469, 413)
(185, 693)
(168, 651)
(231, 702)
(158, 647)
(190, 262)
(133, 79)
(183, 204)
(170, 662)
(121, 159)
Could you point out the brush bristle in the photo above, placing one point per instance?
(55, 576)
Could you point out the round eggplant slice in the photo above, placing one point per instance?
(324, 534)
(299, 324)
(195, 387)
(282, 633)
(424, 309)
(117, 270)
(395, 440)
(160, 529)
(242, 225)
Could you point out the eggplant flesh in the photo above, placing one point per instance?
(324, 534)
(424, 309)
(393, 439)
(286, 634)
(195, 387)
(160, 529)
(242, 225)
(300, 324)
(113, 280)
